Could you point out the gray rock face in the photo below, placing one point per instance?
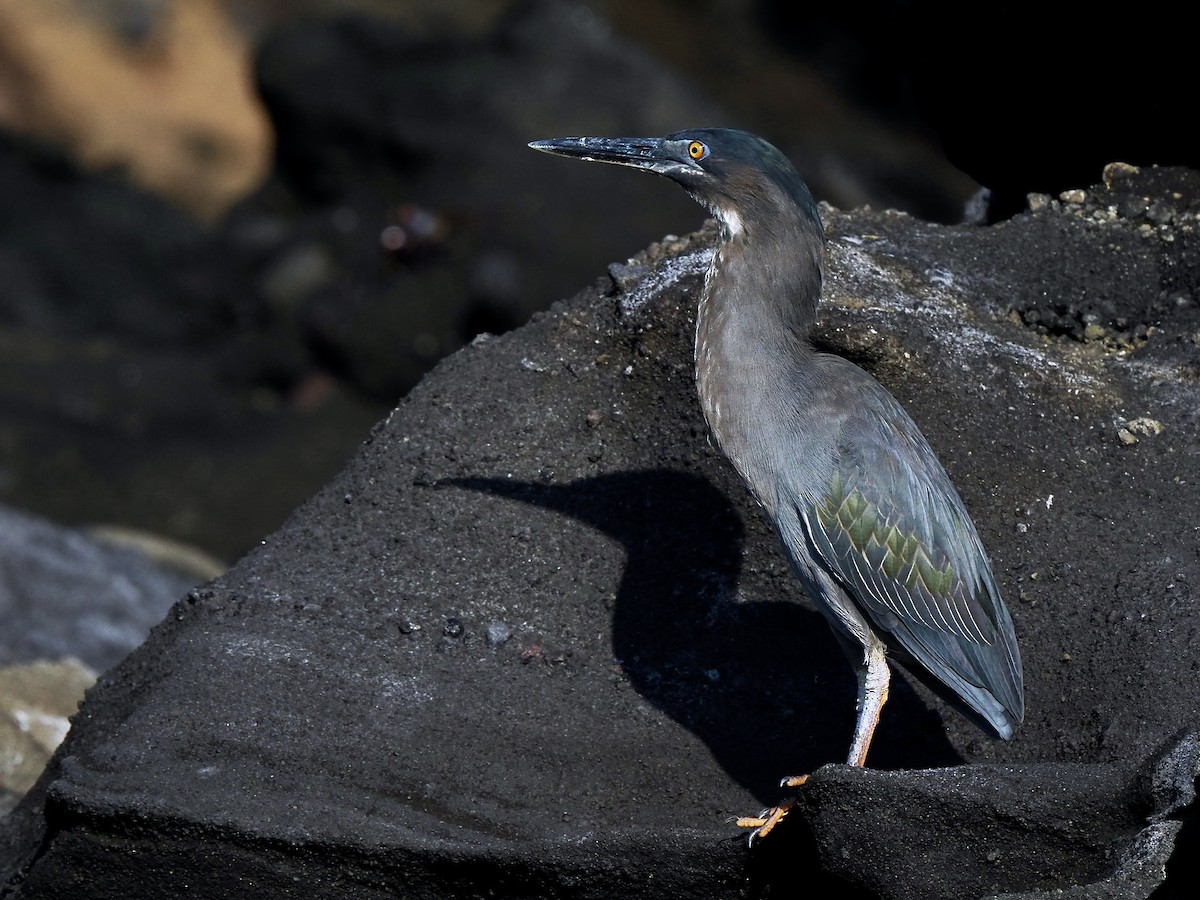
(337, 716)
(65, 594)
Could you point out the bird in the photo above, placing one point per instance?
(871, 524)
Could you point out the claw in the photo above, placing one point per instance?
(793, 781)
(765, 823)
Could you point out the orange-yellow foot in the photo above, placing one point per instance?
(764, 823)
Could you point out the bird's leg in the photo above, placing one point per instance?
(873, 680)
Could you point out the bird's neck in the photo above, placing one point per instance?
(765, 282)
(758, 305)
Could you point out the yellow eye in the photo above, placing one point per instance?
(697, 150)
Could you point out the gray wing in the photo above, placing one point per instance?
(893, 531)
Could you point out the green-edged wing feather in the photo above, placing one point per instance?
(924, 575)
(892, 530)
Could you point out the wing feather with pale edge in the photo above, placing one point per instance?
(893, 530)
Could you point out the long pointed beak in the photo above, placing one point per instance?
(640, 153)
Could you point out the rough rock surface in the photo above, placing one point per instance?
(535, 641)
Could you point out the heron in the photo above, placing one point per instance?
(873, 528)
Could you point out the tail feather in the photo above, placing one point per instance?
(984, 677)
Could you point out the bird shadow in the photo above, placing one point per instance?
(762, 682)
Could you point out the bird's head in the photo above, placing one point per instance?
(742, 179)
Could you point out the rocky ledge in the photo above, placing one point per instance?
(536, 641)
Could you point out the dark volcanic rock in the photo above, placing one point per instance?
(337, 713)
(1107, 828)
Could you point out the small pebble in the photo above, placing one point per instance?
(498, 634)
(1144, 425)
(1129, 431)
(1118, 170)
(1038, 202)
